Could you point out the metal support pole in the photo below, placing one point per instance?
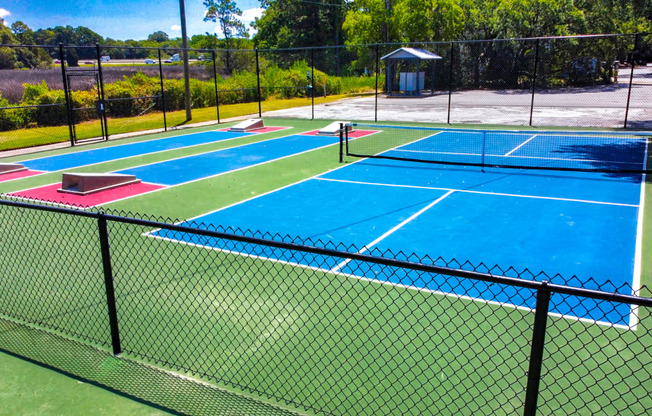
(160, 74)
(450, 82)
(631, 76)
(312, 81)
(217, 94)
(260, 114)
(534, 77)
(108, 283)
(66, 93)
(103, 121)
(536, 354)
(186, 65)
(341, 142)
(377, 70)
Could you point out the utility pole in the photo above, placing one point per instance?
(186, 66)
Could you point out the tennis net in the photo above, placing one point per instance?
(574, 151)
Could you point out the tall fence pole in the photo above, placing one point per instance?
(108, 283)
(631, 76)
(217, 94)
(260, 113)
(450, 82)
(534, 78)
(66, 93)
(536, 353)
(103, 121)
(377, 70)
(312, 81)
(160, 75)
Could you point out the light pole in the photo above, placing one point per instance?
(186, 66)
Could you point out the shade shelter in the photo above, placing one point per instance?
(406, 63)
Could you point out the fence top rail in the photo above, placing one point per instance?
(305, 48)
(404, 264)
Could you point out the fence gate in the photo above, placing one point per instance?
(86, 106)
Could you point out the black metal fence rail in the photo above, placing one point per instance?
(321, 327)
(588, 80)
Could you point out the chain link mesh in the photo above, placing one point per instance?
(313, 330)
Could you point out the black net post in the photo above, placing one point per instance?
(160, 76)
(260, 113)
(102, 104)
(377, 69)
(108, 283)
(631, 75)
(312, 81)
(450, 81)
(534, 77)
(341, 142)
(217, 94)
(536, 354)
(66, 93)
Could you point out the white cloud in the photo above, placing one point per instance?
(3, 14)
(175, 27)
(250, 15)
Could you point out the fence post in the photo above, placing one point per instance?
(631, 76)
(217, 94)
(66, 92)
(450, 83)
(258, 83)
(534, 78)
(103, 122)
(108, 283)
(160, 75)
(536, 353)
(312, 81)
(377, 69)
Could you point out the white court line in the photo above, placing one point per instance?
(366, 247)
(386, 283)
(519, 146)
(481, 192)
(638, 256)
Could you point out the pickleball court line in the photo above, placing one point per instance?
(386, 283)
(391, 231)
(479, 192)
(519, 146)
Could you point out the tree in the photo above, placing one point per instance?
(429, 19)
(158, 37)
(226, 13)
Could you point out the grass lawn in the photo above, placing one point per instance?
(36, 136)
(297, 336)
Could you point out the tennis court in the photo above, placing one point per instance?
(563, 222)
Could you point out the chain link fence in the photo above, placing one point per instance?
(254, 323)
(80, 92)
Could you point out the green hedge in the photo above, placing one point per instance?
(129, 97)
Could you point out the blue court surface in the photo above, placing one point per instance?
(186, 169)
(578, 227)
(89, 157)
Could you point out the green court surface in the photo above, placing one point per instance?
(31, 389)
(399, 348)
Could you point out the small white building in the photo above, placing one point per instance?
(406, 63)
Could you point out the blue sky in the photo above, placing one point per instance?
(118, 19)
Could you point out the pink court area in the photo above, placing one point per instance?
(17, 175)
(263, 130)
(49, 193)
(353, 134)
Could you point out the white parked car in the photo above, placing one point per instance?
(149, 61)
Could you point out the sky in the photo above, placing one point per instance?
(119, 19)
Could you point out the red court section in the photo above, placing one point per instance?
(352, 134)
(263, 130)
(17, 175)
(49, 193)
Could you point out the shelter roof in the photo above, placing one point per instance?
(411, 53)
